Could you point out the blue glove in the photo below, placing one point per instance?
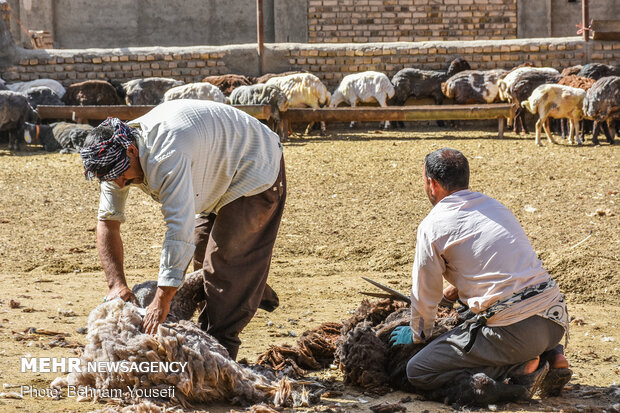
(401, 335)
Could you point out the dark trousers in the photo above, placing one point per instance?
(497, 352)
(234, 250)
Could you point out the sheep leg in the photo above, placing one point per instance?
(352, 124)
(596, 129)
(522, 120)
(545, 126)
(538, 125)
(322, 128)
(563, 128)
(383, 104)
(608, 133)
(578, 139)
(309, 128)
(571, 131)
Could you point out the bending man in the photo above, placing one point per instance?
(197, 158)
(477, 245)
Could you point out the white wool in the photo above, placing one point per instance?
(302, 90)
(506, 83)
(556, 101)
(200, 90)
(22, 87)
(210, 375)
(363, 87)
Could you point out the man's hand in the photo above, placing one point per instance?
(158, 310)
(123, 292)
(401, 335)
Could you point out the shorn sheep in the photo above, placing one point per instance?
(556, 101)
(207, 374)
(364, 87)
(303, 90)
(202, 91)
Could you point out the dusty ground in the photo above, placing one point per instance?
(355, 200)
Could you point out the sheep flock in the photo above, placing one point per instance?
(597, 111)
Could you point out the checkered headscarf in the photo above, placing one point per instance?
(107, 160)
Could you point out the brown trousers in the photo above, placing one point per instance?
(234, 250)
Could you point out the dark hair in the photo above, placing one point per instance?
(449, 167)
(99, 134)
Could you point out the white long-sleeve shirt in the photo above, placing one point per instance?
(478, 246)
(197, 156)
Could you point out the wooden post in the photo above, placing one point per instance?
(585, 19)
(500, 127)
(260, 35)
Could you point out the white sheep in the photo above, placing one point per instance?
(22, 87)
(558, 102)
(506, 83)
(208, 375)
(363, 87)
(303, 90)
(200, 90)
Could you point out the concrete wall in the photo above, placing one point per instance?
(559, 18)
(330, 62)
(133, 23)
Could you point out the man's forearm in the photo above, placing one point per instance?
(110, 246)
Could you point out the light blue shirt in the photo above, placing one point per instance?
(197, 156)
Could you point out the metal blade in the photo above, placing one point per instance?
(393, 293)
(379, 295)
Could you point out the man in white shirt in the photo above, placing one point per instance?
(477, 245)
(207, 164)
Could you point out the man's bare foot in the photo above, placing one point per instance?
(531, 366)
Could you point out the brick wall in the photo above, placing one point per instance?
(330, 62)
(359, 21)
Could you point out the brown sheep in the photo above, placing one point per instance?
(228, 83)
(91, 92)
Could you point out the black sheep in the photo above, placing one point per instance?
(419, 84)
(602, 104)
(14, 112)
(64, 136)
(598, 70)
(42, 95)
(522, 88)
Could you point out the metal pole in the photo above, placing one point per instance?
(585, 19)
(260, 34)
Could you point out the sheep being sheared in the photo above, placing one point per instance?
(208, 375)
(189, 297)
(363, 87)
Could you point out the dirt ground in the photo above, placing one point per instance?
(355, 200)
